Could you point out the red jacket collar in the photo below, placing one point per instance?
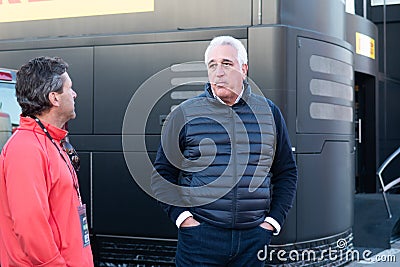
(27, 123)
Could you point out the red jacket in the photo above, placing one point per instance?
(39, 220)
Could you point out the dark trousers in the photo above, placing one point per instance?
(207, 245)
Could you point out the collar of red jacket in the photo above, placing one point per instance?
(27, 123)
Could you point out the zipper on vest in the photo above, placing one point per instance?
(234, 156)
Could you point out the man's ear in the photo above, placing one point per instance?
(245, 68)
(53, 98)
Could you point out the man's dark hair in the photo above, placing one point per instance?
(35, 81)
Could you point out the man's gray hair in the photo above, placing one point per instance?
(228, 40)
(36, 80)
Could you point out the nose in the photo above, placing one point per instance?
(74, 94)
(220, 70)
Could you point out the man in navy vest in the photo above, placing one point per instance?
(225, 172)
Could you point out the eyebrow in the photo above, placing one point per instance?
(223, 60)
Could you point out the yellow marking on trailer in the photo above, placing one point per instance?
(27, 10)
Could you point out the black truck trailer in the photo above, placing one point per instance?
(131, 69)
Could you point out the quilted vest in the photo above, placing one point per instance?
(229, 151)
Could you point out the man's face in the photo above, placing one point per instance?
(225, 73)
(67, 99)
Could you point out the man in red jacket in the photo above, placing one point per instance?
(42, 217)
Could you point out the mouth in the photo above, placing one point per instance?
(219, 84)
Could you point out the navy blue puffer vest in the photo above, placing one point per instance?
(229, 152)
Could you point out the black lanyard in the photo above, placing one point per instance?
(73, 174)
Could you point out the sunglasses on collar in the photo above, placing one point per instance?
(72, 154)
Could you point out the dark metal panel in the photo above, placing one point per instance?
(113, 143)
(392, 51)
(271, 11)
(326, 17)
(89, 143)
(81, 72)
(120, 207)
(392, 13)
(392, 123)
(332, 65)
(272, 54)
(288, 232)
(314, 143)
(84, 176)
(326, 204)
(123, 38)
(121, 70)
(390, 126)
(392, 48)
(267, 58)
